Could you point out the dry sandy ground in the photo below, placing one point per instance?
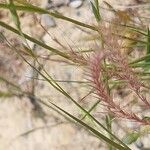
(52, 131)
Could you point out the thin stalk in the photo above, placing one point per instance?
(61, 90)
(31, 8)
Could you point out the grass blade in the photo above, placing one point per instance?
(148, 44)
(91, 109)
(61, 90)
(35, 9)
(18, 25)
(6, 26)
(97, 133)
(95, 9)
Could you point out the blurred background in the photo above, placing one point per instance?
(25, 124)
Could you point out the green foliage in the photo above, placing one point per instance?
(107, 135)
(95, 8)
(148, 44)
(96, 132)
(130, 137)
(5, 94)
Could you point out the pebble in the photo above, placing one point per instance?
(139, 144)
(58, 3)
(47, 21)
(75, 3)
(50, 4)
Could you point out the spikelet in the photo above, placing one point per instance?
(127, 44)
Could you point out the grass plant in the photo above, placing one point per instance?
(113, 65)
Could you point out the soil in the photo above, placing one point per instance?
(25, 123)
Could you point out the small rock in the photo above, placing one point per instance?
(75, 3)
(47, 21)
(139, 144)
(59, 3)
(50, 4)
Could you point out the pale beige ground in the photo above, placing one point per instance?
(53, 132)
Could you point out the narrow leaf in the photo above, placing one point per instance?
(94, 131)
(96, 12)
(34, 40)
(148, 44)
(32, 8)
